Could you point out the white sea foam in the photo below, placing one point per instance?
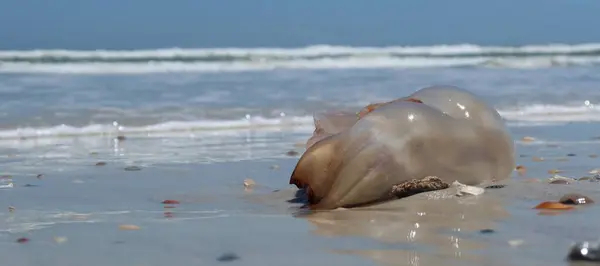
(311, 57)
(532, 115)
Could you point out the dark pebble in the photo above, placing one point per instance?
(495, 186)
(585, 251)
(291, 153)
(559, 181)
(30, 185)
(133, 168)
(39, 176)
(523, 155)
(22, 240)
(121, 138)
(487, 231)
(571, 154)
(100, 163)
(227, 257)
(575, 199)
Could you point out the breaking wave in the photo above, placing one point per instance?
(311, 57)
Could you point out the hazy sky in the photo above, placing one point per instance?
(128, 24)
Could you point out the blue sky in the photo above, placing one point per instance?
(130, 24)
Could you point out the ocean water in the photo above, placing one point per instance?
(199, 121)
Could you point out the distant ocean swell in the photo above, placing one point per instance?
(311, 57)
(534, 115)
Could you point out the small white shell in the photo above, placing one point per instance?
(462, 189)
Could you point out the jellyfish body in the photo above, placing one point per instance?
(444, 131)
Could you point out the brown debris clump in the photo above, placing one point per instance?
(415, 186)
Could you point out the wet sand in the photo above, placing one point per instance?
(73, 217)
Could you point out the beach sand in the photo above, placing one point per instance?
(105, 215)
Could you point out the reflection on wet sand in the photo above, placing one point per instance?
(425, 229)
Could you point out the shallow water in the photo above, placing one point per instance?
(86, 204)
(196, 136)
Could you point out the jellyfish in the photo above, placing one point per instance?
(431, 138)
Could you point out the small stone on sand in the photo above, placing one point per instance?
(133, 168)
(558, 179)
(516, 242)
(129, 227)
(528, 139)
(227, 257)
(291, 153)
(575, 199)
(249, 183)
(554, 171)
(521, 169)
(100, 163)
(60, 239)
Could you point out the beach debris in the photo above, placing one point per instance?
(537, 159)
(11, 209)
(593, 155)
(170, 201)
(100, 163)
(552, 205)
(595, 178)
(523, 155)
(248, 183)
(6, 182)
(132, 168)
(22, 240)
(528, 139)
(415, 186)
(120, 138)
(495, 186)
(594, 171)
(516, 242)
(60, 239)
(39, 176)
(292, 153)
(521, 169)
(558, 179)
(571, 154)
(585, 251)
(575, 199)
(228, 257)
(129, 227)
(274, 167)
(554, 171)
(487, 231)
(462, 189)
